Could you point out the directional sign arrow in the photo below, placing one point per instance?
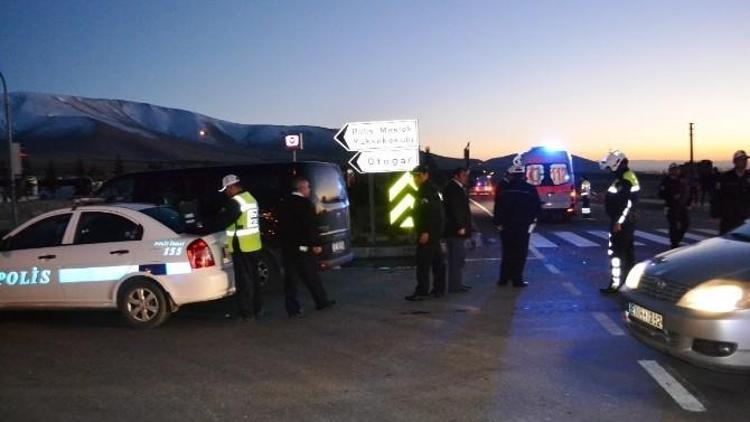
(379, 136)
(385, 161)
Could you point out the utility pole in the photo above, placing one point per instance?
(691, 144)
(9, 132)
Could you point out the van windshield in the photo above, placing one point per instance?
(327, 184)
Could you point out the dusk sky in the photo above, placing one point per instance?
(589, 75)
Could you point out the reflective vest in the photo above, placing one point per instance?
(247, 227)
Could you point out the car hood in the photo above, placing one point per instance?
(719, 257)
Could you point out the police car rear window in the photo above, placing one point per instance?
(167, 216)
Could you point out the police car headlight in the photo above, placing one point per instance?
(717, 296)
(635, 274)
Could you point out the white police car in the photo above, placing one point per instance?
(133, 257)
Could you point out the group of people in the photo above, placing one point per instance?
(300, 244)
(447, 216)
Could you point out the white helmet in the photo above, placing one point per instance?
(613, 160)
(517, 166)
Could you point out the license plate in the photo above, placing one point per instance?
(644, 315)
(338, 246)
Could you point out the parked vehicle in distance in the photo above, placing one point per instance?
(195, 190)
(551, 171)
(482, 184)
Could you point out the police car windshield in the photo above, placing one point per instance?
(167, 216)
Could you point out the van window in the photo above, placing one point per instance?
(535, 174)
(327, 184)
(559, 174)
(118, 189)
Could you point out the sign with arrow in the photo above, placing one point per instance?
(385, 161)
(379, 136)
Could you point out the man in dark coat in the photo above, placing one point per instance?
(731, 202)
(457, 227)
(517, 205)
(300, 244)
(429, 226)
(676, 195)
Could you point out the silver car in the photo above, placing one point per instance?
(694, 302)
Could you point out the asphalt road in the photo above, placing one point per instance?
(556, 350)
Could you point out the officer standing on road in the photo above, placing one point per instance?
(620, 201)
(300, 246)
(676, 195)
(429, 221)
(516, 208)
(586, 198)
(457, 227)
(240, 217)
(731, 202)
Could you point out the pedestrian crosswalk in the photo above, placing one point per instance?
(544, 239)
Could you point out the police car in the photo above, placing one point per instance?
(137, 258)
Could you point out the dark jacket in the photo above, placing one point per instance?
(675, 193)
(731, 201)
(428, 212)
(457, 210)
(622, 197)
(297, 226)
(516, 204)
(228, 214)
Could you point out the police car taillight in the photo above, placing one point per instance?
(199, 254)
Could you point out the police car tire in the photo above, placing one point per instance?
(268, 270)
(153, 295)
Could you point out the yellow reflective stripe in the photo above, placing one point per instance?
(246, 232)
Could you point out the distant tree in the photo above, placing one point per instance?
(155, 166)
(119, 169)
(50, 176)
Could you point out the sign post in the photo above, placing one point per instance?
(383, 147)
(294, 143)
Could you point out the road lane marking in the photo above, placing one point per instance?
(534, 251)
(653, 238)
(712, 232)
(576, 240)
(679, 393)
(605, 235)
(482, 207)
(572, 289)
(539, 241)
(690, 236)
(552, 269)
(608, 324)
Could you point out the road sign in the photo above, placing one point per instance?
(385, 161)
(378, 136)
(293, 142)
(401, 199)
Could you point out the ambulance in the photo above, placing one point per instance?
(137, 258)
(550, 170)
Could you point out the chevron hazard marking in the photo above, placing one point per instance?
(406, 203)
(405, 180)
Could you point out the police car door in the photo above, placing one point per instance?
(106, 247)
(30, 259)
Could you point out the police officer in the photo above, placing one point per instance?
(676, 195)
(586, 198)
(731, 202)
(240, 217)
(516, 208)
(428, 223)
(300, 244)
(457, 227)
(619, 202)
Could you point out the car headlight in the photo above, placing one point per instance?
(717, 296)
(635, 274)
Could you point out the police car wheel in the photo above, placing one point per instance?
(143, 304)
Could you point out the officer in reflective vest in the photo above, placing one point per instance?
(586, 198)
(620, 201)
(240, 217)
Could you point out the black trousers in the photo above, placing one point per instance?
(301, 266)
(456, 262)
(247, 282)
(585, 206)
(679, 222)
(621, 253)
(430, 257)
(515, 241)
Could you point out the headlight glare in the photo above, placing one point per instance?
(716, 296)
(635, 274)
